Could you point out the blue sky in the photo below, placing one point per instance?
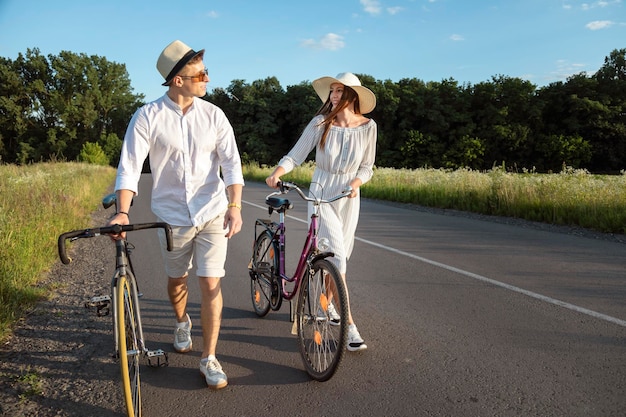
(469, 40)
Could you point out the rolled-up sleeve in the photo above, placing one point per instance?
(229, 159)
(134, 152)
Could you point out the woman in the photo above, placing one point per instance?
(345, 149)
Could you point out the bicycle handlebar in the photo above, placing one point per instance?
(107, 230)
(286, 186)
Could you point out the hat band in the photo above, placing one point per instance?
(180, 64)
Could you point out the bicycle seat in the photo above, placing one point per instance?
(278, 203)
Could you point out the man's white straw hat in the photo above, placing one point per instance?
(173, 58)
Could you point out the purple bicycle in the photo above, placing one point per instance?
(320, 315)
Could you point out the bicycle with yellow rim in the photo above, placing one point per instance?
(123, 303)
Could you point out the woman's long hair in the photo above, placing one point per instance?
(348, 96)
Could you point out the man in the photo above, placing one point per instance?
(190, 142)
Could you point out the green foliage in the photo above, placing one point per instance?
(111, 146)
(92, 153)
(51, 106)
(573, 197)
(37, 203)
(578, 123)
(28, 384)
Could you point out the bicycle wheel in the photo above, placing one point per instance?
(264, 266)
(322, 342)
(129, 350)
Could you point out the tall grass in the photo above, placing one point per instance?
(37, 203)
(571, 197)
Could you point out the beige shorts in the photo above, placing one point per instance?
(204, 246)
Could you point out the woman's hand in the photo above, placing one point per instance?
(272, 181)
(274, 178)
(355, 184)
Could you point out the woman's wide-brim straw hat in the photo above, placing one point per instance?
(173, 58)
(367, 99)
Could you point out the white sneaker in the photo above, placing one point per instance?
(182, 336)
(213, 373)
(334, 319)
(355, 341)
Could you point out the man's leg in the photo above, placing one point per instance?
(178, 292)
(210, 255)
(211, 316)
(210, 313)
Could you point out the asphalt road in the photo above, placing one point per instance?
(463, 317)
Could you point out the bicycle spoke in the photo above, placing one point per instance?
(264, 264)
(322, 343)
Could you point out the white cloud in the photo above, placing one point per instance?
(330, 41)
(599, 3)
(599, 24)
(213, 14)
(374, 8)
(457, 38)
(564, 70)
(394, 10)
(371, 6)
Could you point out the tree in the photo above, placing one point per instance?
(385, 115)
(505, 114)
(92, 153)
(611, 78)
(254, 115)
(51, 107)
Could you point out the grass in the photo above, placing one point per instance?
(571, 197)
(29, 384)
(37, 203)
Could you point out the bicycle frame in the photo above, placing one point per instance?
(122, 269)
(310, 251)
(310, 246)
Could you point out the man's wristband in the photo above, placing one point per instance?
(123, 212)
(234, 205)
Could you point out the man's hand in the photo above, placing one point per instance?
(121, 219)
(233, 221)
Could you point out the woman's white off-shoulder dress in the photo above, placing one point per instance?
(349, 153)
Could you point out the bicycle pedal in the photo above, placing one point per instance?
(93, 301)
(100, 303)
(264, 268)
(157, 358)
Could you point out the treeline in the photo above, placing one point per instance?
(70, 106)
(73, 106)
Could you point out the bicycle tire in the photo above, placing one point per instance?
(129, 350)
(264, 267)
(322, 344)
